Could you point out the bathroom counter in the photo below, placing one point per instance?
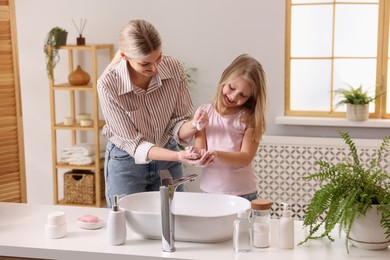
(22, 235)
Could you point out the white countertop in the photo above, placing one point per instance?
(22, 235)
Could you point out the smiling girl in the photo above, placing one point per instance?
(236, 125)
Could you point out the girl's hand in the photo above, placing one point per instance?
(208, 157)
(197, 152)
(201, 119)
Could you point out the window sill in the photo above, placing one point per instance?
(330, 121)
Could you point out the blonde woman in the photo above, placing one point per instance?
(147, 106)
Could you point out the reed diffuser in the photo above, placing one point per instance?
(80, 29)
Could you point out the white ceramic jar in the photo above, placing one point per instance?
(55, 226)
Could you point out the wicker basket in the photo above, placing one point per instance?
(79, 187)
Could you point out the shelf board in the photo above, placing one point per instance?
(61, 165)
(85, 47)
(77, 126)
(103, 204)
(67, 86)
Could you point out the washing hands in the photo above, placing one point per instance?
(197, 157)
(200, 119)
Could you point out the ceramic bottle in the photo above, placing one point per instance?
(286, 229)
(116, 225)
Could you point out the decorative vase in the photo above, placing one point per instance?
(357, 112)
(79, 77)
(367, 233)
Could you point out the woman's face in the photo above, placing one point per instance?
(147, 66)
(236, 92)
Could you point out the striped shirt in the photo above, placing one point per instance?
(138, 119)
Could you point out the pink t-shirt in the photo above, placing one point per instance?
(225, 133)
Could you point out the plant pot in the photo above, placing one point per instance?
(366, 232)
(357, 112)
(62, 37)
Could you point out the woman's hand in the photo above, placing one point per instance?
(188, 157)
(203, 157)
(195, 151)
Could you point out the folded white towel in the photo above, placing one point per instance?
(79, 160)
(80, 149)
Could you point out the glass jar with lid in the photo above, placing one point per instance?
(261, 215)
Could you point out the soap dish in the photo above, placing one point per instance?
(89, 222)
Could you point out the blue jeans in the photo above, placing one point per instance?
(250, 196)
(123, 176)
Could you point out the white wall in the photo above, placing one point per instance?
(203, 34)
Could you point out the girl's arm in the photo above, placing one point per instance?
(189, 128)
(200, 139)
(244, 156)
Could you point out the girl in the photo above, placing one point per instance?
(235, 127)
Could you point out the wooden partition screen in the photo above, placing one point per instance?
(12, 164)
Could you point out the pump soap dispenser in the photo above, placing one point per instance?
(286, 229)
(116, 225)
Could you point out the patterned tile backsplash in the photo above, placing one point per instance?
(281, 163)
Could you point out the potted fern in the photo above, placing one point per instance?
(357, 101)
(350, 191)
(54, 39)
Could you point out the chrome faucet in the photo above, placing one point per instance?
(167, 190)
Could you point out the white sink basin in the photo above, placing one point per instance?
(199, 217)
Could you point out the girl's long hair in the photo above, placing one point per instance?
(255, 107)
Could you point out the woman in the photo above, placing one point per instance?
(147, 106)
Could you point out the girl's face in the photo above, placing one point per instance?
(236, 92)
(147, 66)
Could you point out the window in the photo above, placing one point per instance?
(331, 44)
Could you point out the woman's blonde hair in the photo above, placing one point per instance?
(255, 107)
(137, 39)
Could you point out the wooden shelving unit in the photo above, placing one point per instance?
(97, 166)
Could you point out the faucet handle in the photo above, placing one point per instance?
(186, 178)
(166, 178)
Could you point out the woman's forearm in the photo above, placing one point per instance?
(162, 154)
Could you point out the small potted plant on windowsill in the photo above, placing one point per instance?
(54, 39)
(349, 193)
(357, 101)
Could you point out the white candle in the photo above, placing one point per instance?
(82, 116)
(86, 122)
(68, 120)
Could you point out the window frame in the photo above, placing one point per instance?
(381, 62)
